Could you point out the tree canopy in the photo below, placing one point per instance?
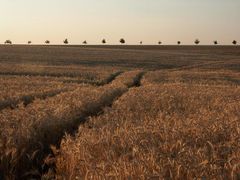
(122, 41)
(234, 42)
(197, 41)
(104, 41)
(65, 41)
(8, 42)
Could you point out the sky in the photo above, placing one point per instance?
(149, 21)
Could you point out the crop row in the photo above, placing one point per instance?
(167, 131)
(27, 132)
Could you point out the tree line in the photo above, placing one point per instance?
(122, 41)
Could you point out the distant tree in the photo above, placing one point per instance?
(159, 42)
(215, 42)
(8, 42)
(29, 42)
(47, 42)
(85, 42)
(234, 42)
(104, 41)
(65, 41)
(179, 42)
(141, 42)
(197, 41)
(122, 41)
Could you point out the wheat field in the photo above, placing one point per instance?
(119, 112)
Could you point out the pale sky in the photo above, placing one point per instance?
(135, 20)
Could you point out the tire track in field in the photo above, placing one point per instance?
(111, 78)
(108, 80)
(40, 148)
(136, 82)
(28, 99)
(108, 102)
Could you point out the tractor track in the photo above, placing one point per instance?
(28, 99)
(93, 113)
(100, 110)
(37, 162)
(108, 80)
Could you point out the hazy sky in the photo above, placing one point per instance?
(134, 20)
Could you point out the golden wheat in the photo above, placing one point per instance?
(26, 130)
(176, 117)
(175, 130)
(69, 73)
(194, 76)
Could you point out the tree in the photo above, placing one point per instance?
(104, 41)
(234, 42)
(65, 41)
(122, 41)
(85, 42)
(215, 42)
(8, 42)
(47, 42)
(159, 42)
(29, 42)
(197, 41)
(179, 42)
